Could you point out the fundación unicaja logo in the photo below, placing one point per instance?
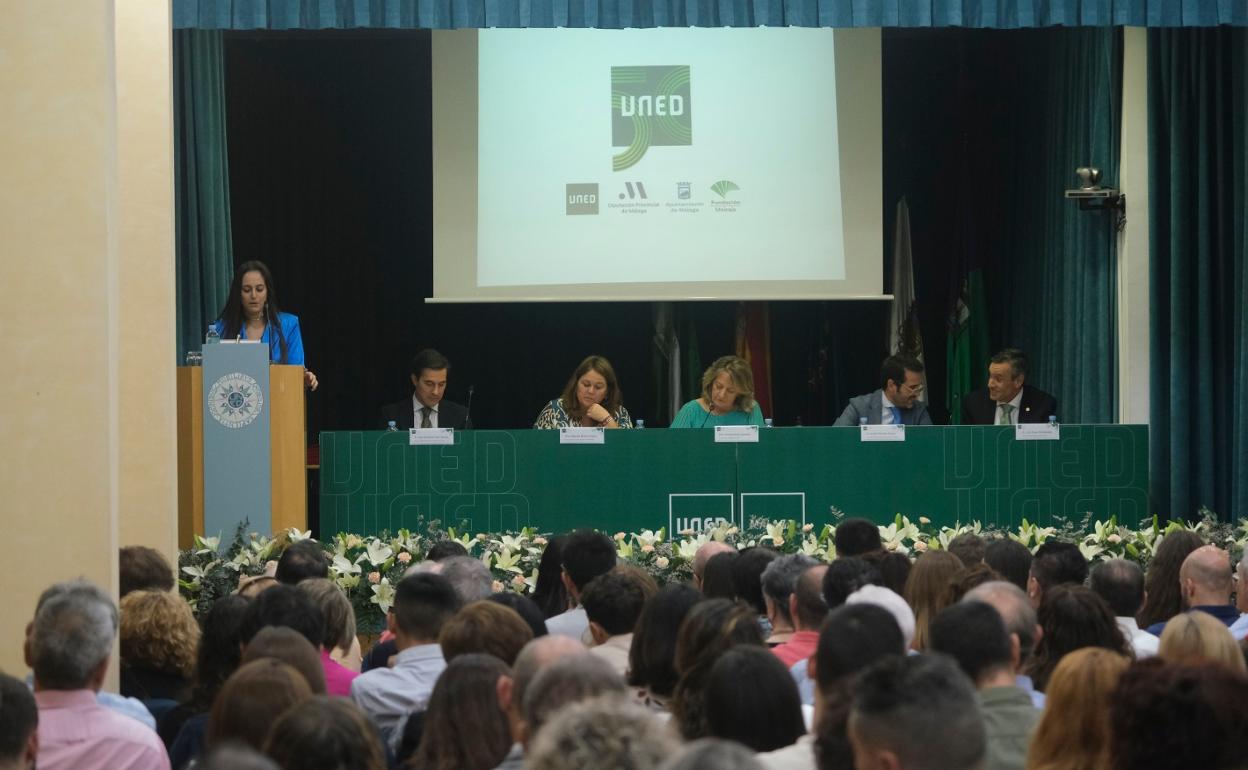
(650, 107)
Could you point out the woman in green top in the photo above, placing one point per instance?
(727, 397)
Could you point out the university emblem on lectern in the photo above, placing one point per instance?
(235, 400)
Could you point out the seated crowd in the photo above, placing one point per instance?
(982, 655)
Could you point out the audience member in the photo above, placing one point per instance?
(254, 585)
(68, 648)
(779, 580)
(652, 656)
(525, 607)
(711, 628)
(566, 681)
(605, 732)
(586, 555)
(1239, 629)
(969, 548)
(613, 603)
(890, 602)
(445, 549)
(470, 577)
(422, 605)
(465, 727)
(747, 578)
(807, 609)
(324, 733)
(844, 576)
(302, 560)
(1198, 636)
(927, 590)
(158, 641)
(1167, 716)
(717, 578)
(974, 635)
(1162, 597)
(750, 698)
(1121, 584)
(253, 699)
(291, 648)
(549, 593)
(1011, 559)
(894, 568)
(535, 656)
(143, 569)
(1074, 732)
(1072, 617)
(1012, 603)
(19, 723)
(703, 555)
(485, 627)
(713, 754)
(288, 607)
(338, 639)
(916, 711)
(967, 578)
(855, 537)
(1205, 583)
(235, 756)
(1055, 563)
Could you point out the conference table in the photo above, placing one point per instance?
(497, 481)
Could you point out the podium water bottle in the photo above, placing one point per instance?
(212, 337)
(768, 422)
(392, 426)
(639, 424)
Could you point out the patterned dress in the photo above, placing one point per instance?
(555, 416)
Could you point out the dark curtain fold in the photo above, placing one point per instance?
(204, 253)
(1198, 163)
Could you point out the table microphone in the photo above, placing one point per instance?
(468, 408)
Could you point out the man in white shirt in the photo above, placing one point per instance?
(1121, 584)
(586, 555)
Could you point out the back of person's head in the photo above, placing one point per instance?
(1072, 616)
(535, 656)
(1206, 576)
(751, 697)
(1121, 584)
(252, 699)
(717, 578)
(1074, 730)
(613, 601)
(652, 656)
(549, 592)
(465, 726)
(853, 637)
(220, 648)
(485, 627)
(967, 578)
(891, 603)
(1011, 559)
(1015, 608)
(300, 561)
(422, 604)
(780, 580)
(1171, 716)
(286, 606)
(610, 731)
(969, 548)
(291, 648)
(921, 710)
(894, 568)
(470, 577)
(525, 607)
(927, 590)
(704, 554)
(844, 576)
(586, 555)
(158, 632)
(1058, 563)
(1196, 636)
(974, 635)
(143, 569)
(1164, 597)
(747, 575)
(19, 722)
(810, 606)
(325, 733)
(336, 610)
(73, 635)
(445, 549)
(856, 536)
(711, 628)
(713, 754)
(570, 679)
(232, 755)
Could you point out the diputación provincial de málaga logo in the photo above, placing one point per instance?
(235, 400)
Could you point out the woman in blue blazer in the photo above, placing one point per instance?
(251, 313)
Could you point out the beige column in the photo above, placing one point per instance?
(58, 303)
(1133, 278)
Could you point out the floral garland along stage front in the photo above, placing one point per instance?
(369, 568)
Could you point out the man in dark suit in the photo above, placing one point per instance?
(897, 400)
(426, 408)
(1008, 399)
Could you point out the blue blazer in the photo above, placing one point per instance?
(290, 330)
(871, 406)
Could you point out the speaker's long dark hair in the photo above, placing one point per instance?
(232, 321)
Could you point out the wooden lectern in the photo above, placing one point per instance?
(288, 451)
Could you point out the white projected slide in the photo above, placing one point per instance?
(656, 164)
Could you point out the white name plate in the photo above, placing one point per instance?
(582, 436)
(430, 436)
(1039, 431)
(736, 434)
(882, 432)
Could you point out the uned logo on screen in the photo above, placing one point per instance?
(582, 198)
(650, 107)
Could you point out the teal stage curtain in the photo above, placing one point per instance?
(205, 259)
(613, 14)
(1198, 164)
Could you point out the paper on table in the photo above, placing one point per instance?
(736, 434)
(430, 436)
(582, 436)
(1037, 431)
(882, 432)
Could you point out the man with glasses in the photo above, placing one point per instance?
(896, 402)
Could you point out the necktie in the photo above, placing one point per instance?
(1006, 409)
(424, 417)
(896, 415)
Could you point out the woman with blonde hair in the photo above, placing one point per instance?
(159, 639)
(1197, 636)
(727, 397)
(1074, 733)
(927, 590)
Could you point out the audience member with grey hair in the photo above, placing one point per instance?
(565, 681)
(779, 582)
(471, 578)
(969, 548)
(713, 754)
(19, 722)
(916, 712)
(535, 656)
(1121, 584)
(1014, 606)
(610, 731)
(68, 647)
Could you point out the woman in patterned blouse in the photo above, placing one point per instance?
(591, 399)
